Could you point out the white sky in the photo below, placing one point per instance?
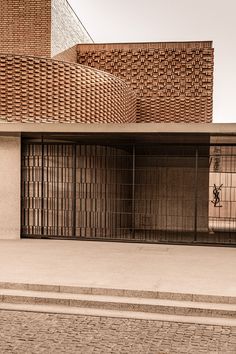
(172, 20)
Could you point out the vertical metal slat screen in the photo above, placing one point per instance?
(47, 188)
(157, 193)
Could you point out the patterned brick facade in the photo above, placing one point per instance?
(44, 90)
(25, 27)
(42, 28)
(173, 81)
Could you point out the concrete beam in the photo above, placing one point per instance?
(137, 128)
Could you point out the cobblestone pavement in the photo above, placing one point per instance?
(25, 332)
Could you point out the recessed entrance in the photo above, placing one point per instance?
(170, 193)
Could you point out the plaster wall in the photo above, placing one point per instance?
(222, 210)
(10, 187)
(223, 215)
(67, 30)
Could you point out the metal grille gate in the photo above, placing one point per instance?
(222, 193)
(132, 193)
(47, 190)
(71, 190)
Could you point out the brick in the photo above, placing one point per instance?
(25, 27)
(173, 81)
(44, 90)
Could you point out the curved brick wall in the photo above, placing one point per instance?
(43, 90)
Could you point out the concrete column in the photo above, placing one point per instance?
(10, 167)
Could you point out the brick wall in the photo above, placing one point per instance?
(25, 27)
(69, 55)
(44, 90)
(40, 28)
(67, 30)
(173, 81)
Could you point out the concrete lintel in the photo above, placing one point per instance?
(183, 128)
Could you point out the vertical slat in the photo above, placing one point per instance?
(196, 195)
(133, 191)
(42, 190)
(74, 191)
(160, 209)
(57, 161)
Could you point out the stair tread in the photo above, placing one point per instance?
(144, 293)
(117, 299)
(82, 311)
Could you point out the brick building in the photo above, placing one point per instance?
(109, 141)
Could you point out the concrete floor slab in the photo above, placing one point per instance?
(170, 268)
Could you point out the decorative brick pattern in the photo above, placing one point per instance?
(44, 90)
(173, 81)
(25, 27)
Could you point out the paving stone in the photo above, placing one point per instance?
(36, 333)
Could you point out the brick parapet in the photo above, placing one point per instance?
(43, 90)
(173, 81)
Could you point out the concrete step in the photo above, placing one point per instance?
(82, 311)
(119, 303)
(148, 294)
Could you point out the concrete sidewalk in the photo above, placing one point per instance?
(180, 269)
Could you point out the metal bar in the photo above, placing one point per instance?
(28, 186)
(74, 190)
(133, 192)
(195, 194)
(57, 182)
(42, 190)
(23, 223)
(47, 189)
(64, 184)
(104, 153)
(126, 182)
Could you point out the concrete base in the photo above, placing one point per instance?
(176, 269)
(10, 167)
